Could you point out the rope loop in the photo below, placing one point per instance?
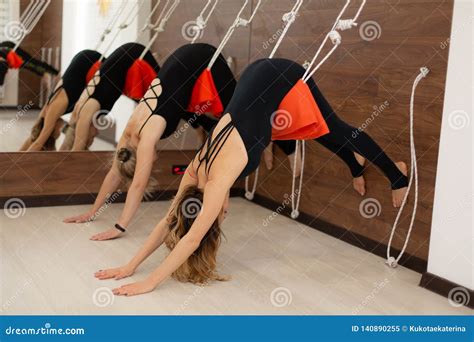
(345, 24)
(392, 261)
(335, 37)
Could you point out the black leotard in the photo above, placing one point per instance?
(177, 78)
(74, 78)
(113, 73)
(258, 94)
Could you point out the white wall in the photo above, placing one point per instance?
(82, 27)
(451, 251)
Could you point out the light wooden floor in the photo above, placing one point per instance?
(284, 268)
(15, 131)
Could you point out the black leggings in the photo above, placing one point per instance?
(344, 139)
(260, 90)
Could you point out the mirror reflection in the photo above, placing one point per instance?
(73, 84)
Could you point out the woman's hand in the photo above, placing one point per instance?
(87, 217)
(115, 273)
(110, 234)
(134, 289)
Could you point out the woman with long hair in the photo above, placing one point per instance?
(62, 100)
(112, 80)
(175, 94)
(232, 151)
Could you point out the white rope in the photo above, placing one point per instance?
(335, 37)
(111, 24)
(126, 23)
(295, 207)
(32, 18)
(392, 261)
(201, 21)
(238, 22)
(165, 15)
(148, 20)
(31, 14)
(27, 10)
(251, 194)
(288, 20)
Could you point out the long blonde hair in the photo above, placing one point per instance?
(69, 135)
(200, 267)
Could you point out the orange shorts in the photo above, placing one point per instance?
(205, 97)
(298, 117)
(138, 80)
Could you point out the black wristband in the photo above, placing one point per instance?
(119, 227)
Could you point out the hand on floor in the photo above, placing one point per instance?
(110, 234)
(134, 289)
(115, 273)
(87, 217)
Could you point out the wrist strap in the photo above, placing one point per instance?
(119, 227)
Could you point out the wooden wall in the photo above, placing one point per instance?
(238, 46)
(359, 78)
(76, 173)
(47, 33)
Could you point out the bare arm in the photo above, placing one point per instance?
(54, 111)
(145, 157)
(26, 144)
(154, 240)
(83, 124)
(111, 183)
(215, 194)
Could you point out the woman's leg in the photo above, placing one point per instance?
(354, 162)
(360, 142)
(85, 119)
(50, 114)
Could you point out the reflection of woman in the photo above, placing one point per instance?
(232, 151)
(156, 117)
(20, 59)
(62, 100)
(108, 84)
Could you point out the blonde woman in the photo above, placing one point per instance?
(232, 151)
(62, 100)
(157, 117)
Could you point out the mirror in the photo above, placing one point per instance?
(45, 42)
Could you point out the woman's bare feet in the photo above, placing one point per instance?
(399, 194)
(359, 185)
(359, 182)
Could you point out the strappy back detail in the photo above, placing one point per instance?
(146, 99)
(93, 85)
(213, 147)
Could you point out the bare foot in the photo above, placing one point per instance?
(359, 185)
(399, 194)
(268, 156)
